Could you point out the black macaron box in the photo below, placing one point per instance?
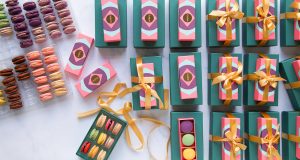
(102, 137)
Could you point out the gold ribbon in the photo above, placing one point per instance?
(265, 79)
(231, 137)
(111, 96)
(292, 15)
(226, 17)
(264, 17)
(228, 78)
(291, 137)
(293, 85)
(270, 139)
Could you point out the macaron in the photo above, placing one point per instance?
(66, 21)
(69, 29)
(40, 38)
(9, 80)
(109, 124)
(117, 129)
(34, 55)
(23, 35)
(54, 67)
(48, 51)
(35, 22)
(21, 68)
(186, 126)
(32, 14)
(26, 43)
(6, 31)
(94, 134)
(38, 72)
(109, 142)
(63, 13)
(101, 155)
(28, 6)
(55, 34)
(20, 27)
(18, 60)
(11, 3)
(6, 72)
(14, 10)
(188, 140)
(16, 105)
(55, 76)
(189, 154)
(58, 83)
(23, 76)
(18, 18)
(52, 26)
(60, 91)
(101, 121)
(43, 2)
(46, 9)
(46, 96)
(93, 152)
(36, 63)
(50, 17)
(11, 89)
(37, 31)
(50, 59)
(102, 138)
(41, 80)
(43, 88)
(59, 5)
(85, 147)
(4, 23)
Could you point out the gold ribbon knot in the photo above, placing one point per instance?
(226, 17)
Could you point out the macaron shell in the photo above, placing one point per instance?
(54, 67)
(108, 123)
(33, 55)
(48, 51)
(43, 88)
(69, 29)
(46, 96)
(188, 140)
(60, 91)
(189, 154)
(38, 72)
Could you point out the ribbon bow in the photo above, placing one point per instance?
(225, 17)
(267, 80)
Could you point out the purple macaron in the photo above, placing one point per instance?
(47, 9)
(59, 5)
(186, 126)
(26, 43)
(63, 13)
(11, 3)
(28, 6)
(18, 18)
(14, 10)
(20, 27)
(35, 22)
(32, 14)
(43, 2)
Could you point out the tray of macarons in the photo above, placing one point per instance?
(102, 137)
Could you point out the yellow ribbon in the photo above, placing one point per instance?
(270, 139)
(111, 96)
(265, 79)
(264, 17)
(231, 137)
(291, 137)
(293, 85)
(292, 15)
(228, 78)
(226, 17)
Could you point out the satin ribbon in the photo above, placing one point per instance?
(228, 78)
(292, 15)
(270, 139)
(124, 111)
(296, 84)
(265, 79)
(291, 137)
(264, 17)
(226, 17)
(231, 137)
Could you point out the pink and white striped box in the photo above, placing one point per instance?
(111, 21)
(186, 20)
(263, 132)
(259, 91)
(259, 26)
(148, 69)
(221, 31)
(223, 69)
(149, 26)
(226, 146)
(298, 134)
(296, 66)
(297, 26)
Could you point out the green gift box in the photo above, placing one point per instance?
(175, 135)
(249, 85)
(251, 129)
(287, 72)
(175, 80)
(159, 87)
(99, 37)
(249, 28)
(211, 28)
(287, 25)
(174, 42)
(215, 148)
(137, 26)
(289, 128)
(213, 91)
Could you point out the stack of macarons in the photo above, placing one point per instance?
(2, 98)
(21, 68)
(34, 20)
(11, 88)
(50, 18)
(20, 25)
(39, 73)
(53, 70)
(5, 28)
(64, 14)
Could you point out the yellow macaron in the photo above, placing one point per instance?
(102, 138)
(189, 154)
(93, 151)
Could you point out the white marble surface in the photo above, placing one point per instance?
(52, 131)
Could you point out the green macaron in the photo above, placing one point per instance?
(2, 16)
(188, 139)
(4, 24)
(1, 6)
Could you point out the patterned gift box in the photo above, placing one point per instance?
(111, 23)
(291, 132)
(224, 125)
(254, 130)
(252, 31)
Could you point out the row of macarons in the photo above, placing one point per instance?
(92, 150)
(187, 140)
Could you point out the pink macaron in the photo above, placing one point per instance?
(36, 63)
(41, 80)
(33, 55)
(43, 88)
(46, 96)
(50, 59)
(48, 51)
(54, 67)
(38, 72)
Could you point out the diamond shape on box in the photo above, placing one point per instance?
(187, 17)
(187, 77)
(95, 79)
(111, 19)
(79, 54)
(149, 18)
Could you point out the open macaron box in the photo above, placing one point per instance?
(94, 144)
(187, 134)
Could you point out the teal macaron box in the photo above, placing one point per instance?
(102, 137)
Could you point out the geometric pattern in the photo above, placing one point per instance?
(186, 20)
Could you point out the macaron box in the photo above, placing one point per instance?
(102, 137)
